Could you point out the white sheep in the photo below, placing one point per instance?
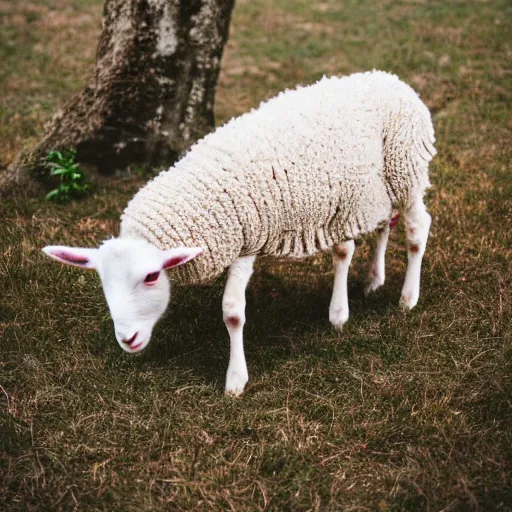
(307, 171)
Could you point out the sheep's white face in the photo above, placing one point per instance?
(132, 273)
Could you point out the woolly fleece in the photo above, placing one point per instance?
(309, 168)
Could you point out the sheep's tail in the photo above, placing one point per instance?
(408, 149)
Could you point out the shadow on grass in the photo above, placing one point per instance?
(287, 319)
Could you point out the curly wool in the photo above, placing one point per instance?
(308, 169)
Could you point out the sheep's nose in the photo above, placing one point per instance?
(131, 340)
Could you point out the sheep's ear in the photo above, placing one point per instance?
(76, 256)
(175, 257)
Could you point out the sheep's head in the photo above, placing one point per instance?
(132, 273)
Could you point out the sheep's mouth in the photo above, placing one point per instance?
(136, 347)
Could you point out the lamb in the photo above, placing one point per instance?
(309, 170)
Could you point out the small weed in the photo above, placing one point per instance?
(72, 181)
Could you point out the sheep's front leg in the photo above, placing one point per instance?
(341, 258)
(377, 274)
(233, 309)
(417, 226)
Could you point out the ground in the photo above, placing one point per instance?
(398, 412)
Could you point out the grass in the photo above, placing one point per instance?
(399, 412)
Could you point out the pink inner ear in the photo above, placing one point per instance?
(78, 260)
(173, 262)
(186, 255)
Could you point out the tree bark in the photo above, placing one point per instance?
(151, 94)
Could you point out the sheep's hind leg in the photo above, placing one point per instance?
(233, 310)
(341, 258)
(377, 274)
(417, 226)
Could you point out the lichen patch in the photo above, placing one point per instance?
(167, 41)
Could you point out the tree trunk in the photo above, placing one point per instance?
(152, 91)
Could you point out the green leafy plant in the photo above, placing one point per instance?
(73, 182)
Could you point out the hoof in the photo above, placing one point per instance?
(408, 300)
(338, 317)
(373, 285)
(235, 383)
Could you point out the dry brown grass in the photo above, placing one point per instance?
(399, 412)
(48, 49)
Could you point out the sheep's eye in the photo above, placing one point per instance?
(151, 278)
